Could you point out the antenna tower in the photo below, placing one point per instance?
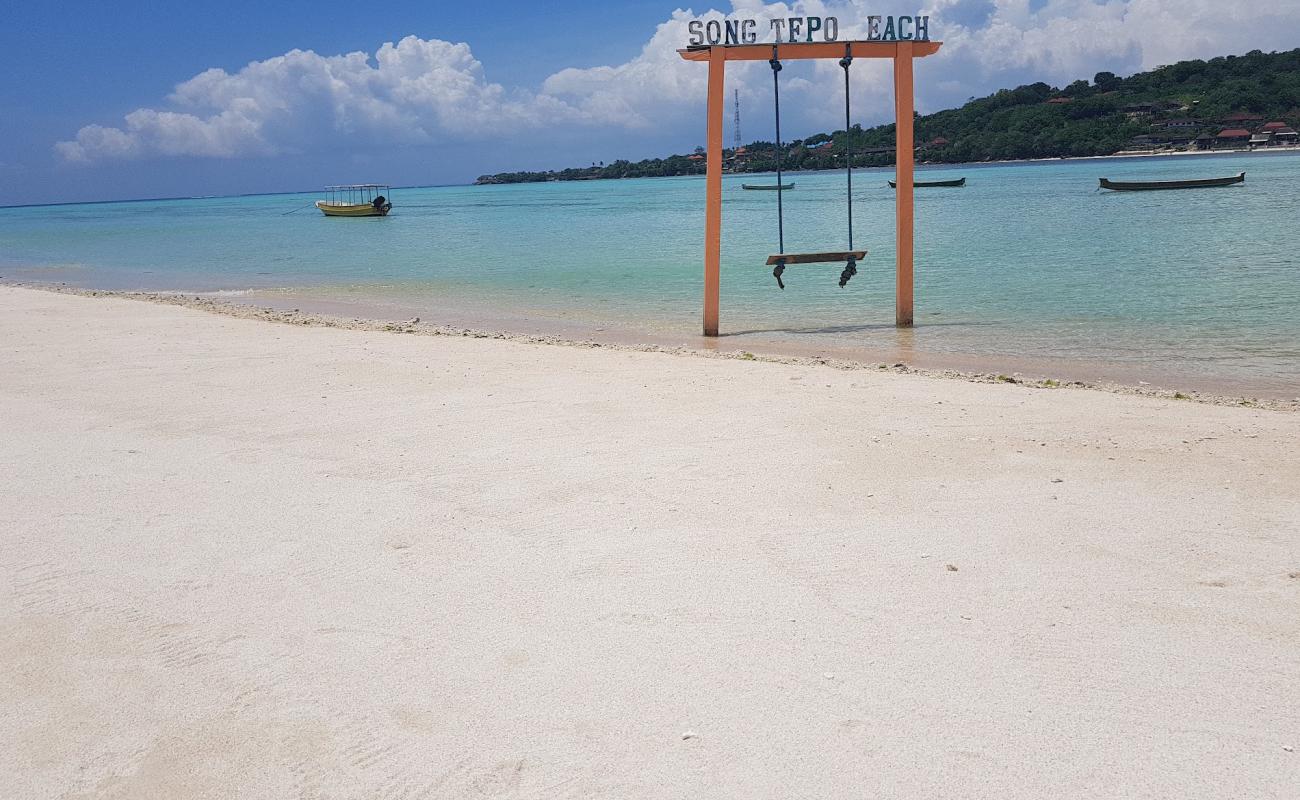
(736, 126)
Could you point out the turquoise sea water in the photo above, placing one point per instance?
(1027, 266)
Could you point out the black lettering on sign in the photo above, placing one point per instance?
(796, 25)
(795, 30)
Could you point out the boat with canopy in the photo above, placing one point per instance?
(356, 200)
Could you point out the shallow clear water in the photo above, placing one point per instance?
(1029, 263)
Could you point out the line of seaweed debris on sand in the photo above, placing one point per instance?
(216, 305)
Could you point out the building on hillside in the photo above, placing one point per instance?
(1272, 126)
(1204, 142)
(1147, 141)
(1059, 101)
(1232, 137)
(1285, 136)
(1242, 119)
(1180, 124)
(1260, 139)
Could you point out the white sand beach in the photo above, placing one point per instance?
(250, 560)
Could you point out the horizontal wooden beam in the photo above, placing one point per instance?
(796, 50)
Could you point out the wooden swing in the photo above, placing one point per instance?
(781, 259)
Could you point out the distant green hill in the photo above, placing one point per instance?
(1168, 107)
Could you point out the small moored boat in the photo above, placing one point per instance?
(356, 200)
(929, 184)
(767, 187)
(1143, 186)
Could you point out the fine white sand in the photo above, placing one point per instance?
(249, 560)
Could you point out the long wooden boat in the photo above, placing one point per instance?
(356, 200)
(766, 187)
(1144, 186)
(927, 184)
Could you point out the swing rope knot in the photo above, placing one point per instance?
(850, 270)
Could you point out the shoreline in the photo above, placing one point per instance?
(1237, 151)
(263, 309)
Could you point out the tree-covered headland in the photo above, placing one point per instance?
(1186, 105)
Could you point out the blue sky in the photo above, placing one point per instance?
(117, 100)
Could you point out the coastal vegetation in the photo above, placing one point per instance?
(1190, 104)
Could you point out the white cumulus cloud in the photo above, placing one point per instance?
(418, 90)
(427, 90)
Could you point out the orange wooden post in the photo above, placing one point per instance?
(713, 191)
(904, 160)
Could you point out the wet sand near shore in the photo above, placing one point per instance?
(1279, 389)
(327, 307)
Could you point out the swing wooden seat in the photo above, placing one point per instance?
(816, 258)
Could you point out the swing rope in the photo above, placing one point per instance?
(775, 63)
(850, 268)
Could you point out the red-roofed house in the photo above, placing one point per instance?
(1230, 137)
(1243, 118)
(1057, 101)
(1272, 126)
(695, 157)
